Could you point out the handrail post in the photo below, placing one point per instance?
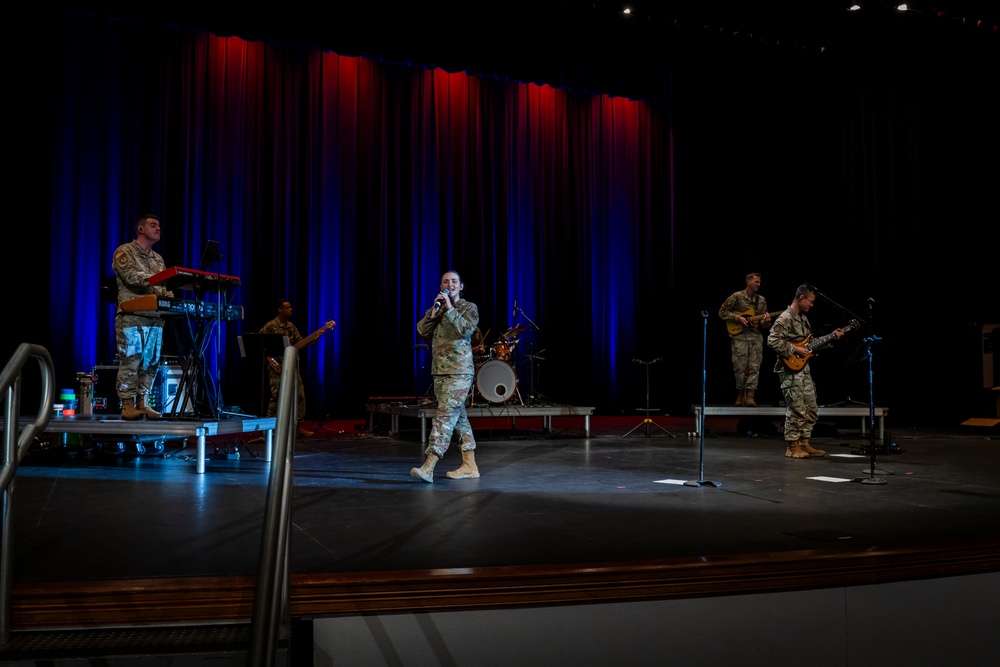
(271, 600)
(15, 446)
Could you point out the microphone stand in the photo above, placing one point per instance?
(872, 448)
(701, 427)
(847, 400)
(517, 309)
(532, 358)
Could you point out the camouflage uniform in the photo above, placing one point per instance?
(747, 347)
(139, 338)
(453, 370)
(276, 326)
(801, 408)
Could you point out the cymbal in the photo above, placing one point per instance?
(513, 331)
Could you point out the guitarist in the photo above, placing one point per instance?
(788, 337)
(282, 324)
(745, 313)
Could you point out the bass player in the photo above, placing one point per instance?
(282, 324)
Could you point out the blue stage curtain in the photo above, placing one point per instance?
(348, 186)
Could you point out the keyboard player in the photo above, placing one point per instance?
(138, 337)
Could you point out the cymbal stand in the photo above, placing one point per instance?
(647, 421)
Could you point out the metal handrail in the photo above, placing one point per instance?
(272, 607)
(271, 617)
(15, 447)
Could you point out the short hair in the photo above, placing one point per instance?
(281, 302)
(752, 275)
(143, 218)
(803, 290)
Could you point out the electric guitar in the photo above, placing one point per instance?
(797, 363)
(736, 327)
(275, 363)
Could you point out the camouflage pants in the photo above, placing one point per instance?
(274, 381)
(450, 419)
(139, 341)
(748, 351)
(801, 408)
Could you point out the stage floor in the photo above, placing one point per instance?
(543, 498)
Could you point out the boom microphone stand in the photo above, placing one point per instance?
(847, 400)
(533, 396)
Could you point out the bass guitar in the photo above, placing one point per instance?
(797, 363)
(275, 363)
(737, 327)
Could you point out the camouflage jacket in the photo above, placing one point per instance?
(738, 303)
(450, 334)
(133, 266)
(790, 327)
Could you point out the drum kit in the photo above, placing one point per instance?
(496, 379)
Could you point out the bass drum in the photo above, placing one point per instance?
(496, 381)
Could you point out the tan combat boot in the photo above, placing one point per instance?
(810, 450)
(140, 404)
(468, 469)
(795, 451)
(741, 399)
(426, 471)
(748, 401)
(130, 411)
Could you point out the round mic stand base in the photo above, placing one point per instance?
(703, 482)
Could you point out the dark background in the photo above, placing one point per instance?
(854, 152)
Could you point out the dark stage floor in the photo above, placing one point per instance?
(543, 498)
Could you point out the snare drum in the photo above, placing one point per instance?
(496, 381)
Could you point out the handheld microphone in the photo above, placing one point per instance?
(513, 313)
(439, 302)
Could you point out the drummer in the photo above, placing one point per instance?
(479, 346)
(478, 342)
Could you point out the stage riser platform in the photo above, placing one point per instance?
(162, 428)
(864, 412)
(425, 413)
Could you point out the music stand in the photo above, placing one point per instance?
(648, 420)
(260, 346)
(209, 255)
